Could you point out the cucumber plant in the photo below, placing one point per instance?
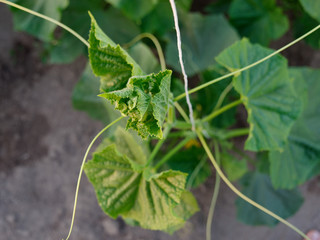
(145, 175)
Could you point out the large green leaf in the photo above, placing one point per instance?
(312, 7)
(259, 20)
(135, 9)
(200, 43)
(85, 98)
(145, 100)
(113, 22)
(124, 188)
(109, 61)
(190, 160)
(300, 159)
(267, 93)
(258, 187)
(34, 25)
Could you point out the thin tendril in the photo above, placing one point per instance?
(223, 95)
(241, 195)
(48, 19)
(81, 170)
(214, 196)
(247, 67)
(156, 44)
(185, 77)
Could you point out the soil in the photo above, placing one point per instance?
(42, 142)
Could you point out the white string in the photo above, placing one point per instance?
(185, 77)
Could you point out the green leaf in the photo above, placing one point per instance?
(304, 23)
(144, 57)
(124, 190)
(267, 93)
(145, 100)
(200, 43)
(66, 48)
(300, 159)
(84, 98)
(134, 9)
(258, 187)
(160, 20)
(109, 61)
(251, 17)
(312, 8)
(34, 25)
(188, 161)
(234, 168)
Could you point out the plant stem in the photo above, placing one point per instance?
(156, 44)
(214, 196)
(221, 110)
(48, 19)
(185, 77)
(195, 172)
(223, 95)
(182, 112)
(81, 170)
(172, 152)
(236, 133)
(247, 67)
(158, 145)
(241, 195)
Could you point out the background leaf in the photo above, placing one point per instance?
(258, 187)
(134, 9)
(312, 8)
(66, 48)
(267, 92)
(234, 167)
(200, 43)
(300, 159)
(35, 25)
(85, 98)
(259, 20)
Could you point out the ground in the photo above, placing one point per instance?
(43, 140)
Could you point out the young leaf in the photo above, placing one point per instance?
(109, 61)
(84, 98)
(300, 159)
(123, 189)
(258, 187)
(312, 8)
(33, 25)
(267, 93)
(251, 16)
(199, 41)
(145, 100)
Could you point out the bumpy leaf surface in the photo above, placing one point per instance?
(145, 100)
(258, 187)
(200, 43)
(312, 8)
(300, 159)
(267, 92)
(124, 188)
(35, 25)
(259, 20)
(109, 61)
